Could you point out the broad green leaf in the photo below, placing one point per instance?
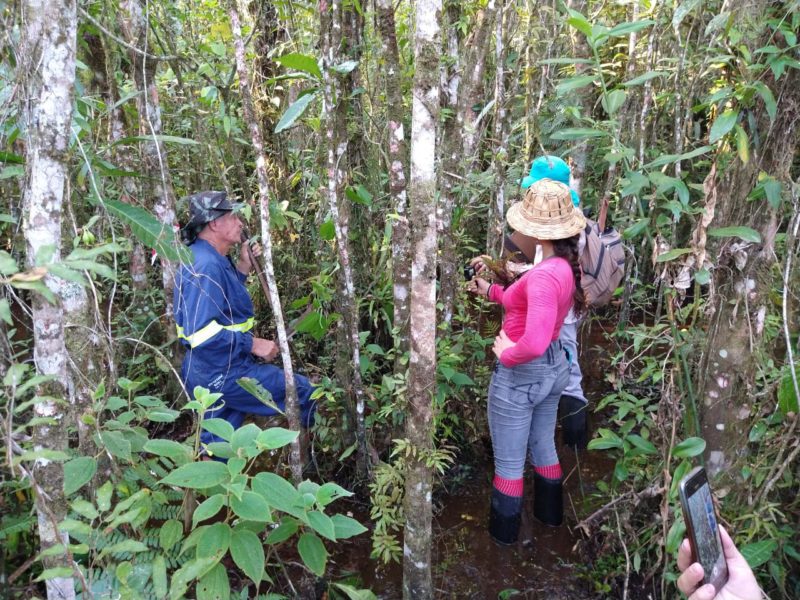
(346, 527)
(168, 448)
(355, 594)
(577, 133)
(644, 78)
(244, 438)
(671, 158)
(689, 447)
(248, 554)
(672, 254)
(124, 546)
(159, 566)
(636, 229)
(214, 541)
(566, 61)
(607, 439)
(283, 532)
(54, 573)
(328, 492)
(574, 83)
(276, 437)
(787, 396)
(166, 139)
(251, 507)
(279, 493)
(162, 415)
(327, 231)
(747, 234)
(208, 508)
(5, 312)
(294, 112)
(198, 475)
(313, 553)
(218, 427)
(675, 535)
(703, 276)
(170, 533)
(301, 62)
(768, 98)
(579, 22)
(772, 189)
(259, 391)
(104, 496)
(149, 230)
(644, 445)
(723, 124)
(85, 509)
(682, 11)
(322, 524)
(345, 67)
(742, 144)
(116, 444)
(77, 473)
(628, 28)
(758, 553)
(192, 570)
(613, 100)
(214, 585)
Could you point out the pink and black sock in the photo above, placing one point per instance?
(549, 471)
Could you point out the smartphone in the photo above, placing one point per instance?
(701, 525)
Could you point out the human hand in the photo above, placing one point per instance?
(478, 286)
(502, 343)
(264, 349)
(741, 584)
(479, 263)
(245, 265)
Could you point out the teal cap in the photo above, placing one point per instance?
(550, 167)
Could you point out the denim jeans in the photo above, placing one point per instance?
(523, 404)
(569, 339)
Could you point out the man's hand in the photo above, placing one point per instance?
(264, 349)
(245, 265)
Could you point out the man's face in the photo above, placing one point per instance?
(228, 227)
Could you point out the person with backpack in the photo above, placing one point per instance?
(532, 369)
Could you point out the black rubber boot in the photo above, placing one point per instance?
(573, 422)
(548, 502)
(504, 517)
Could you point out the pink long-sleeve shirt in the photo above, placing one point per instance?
(536, 305)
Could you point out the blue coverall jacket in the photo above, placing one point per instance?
(214, 317)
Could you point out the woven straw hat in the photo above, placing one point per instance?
(546, 212)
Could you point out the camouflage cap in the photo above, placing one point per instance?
(205, 207)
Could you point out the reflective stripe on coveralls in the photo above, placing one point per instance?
(213, 328)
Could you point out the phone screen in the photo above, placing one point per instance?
(708, 544)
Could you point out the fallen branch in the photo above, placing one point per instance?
(636, 497)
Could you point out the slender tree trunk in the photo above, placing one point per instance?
(48, 45)
(134, 25)
(494, 234)
(292, 408)
(398, 161)
(580, 49)
(417, 582)
(744, 279)
(450, 279)
(334, 114)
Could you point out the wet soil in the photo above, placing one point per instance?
(546, 562)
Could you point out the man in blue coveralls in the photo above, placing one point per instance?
(214, 317)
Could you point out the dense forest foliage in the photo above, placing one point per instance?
(376, 147)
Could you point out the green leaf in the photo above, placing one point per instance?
(608, 439)
(723, 124)
(149, 230)
(579, 22)
(322, 524)
(283, 532)
(5, 312)
(577, 133)
(214, 585)
(566, 61)
(703, 276)
(77, 473)
(644, 445)
(787, 397)
(742, 144)
(104, 496)
(346, 527)
(189, 572)
(198, 475)
(613, 100)
(171, 533)
(116, 444)
(276, 437)
(628, 28)
(574, 83)
(644, 78)
(300, 62)
(218, 427)
(313, 553)
(279, 493)
(327, 230)
(244, 438)
(682, 11)
(248, 554)
(672, 254)
(259, 391)
(251, 507)
(757, 553)
(768, 98)
(747, 234)
(168, 448)
(208, 508)
(772, 189)
(214, 541)
(159, 566)
(345, 67)
(54, 573)
(166, 139)
(162, 415)
(689, 447)
(635, 230)
(355, 594)
(295, 111)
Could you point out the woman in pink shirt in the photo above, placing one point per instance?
(532, 368)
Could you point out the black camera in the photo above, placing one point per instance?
(469, 272)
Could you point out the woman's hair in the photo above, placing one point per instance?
(567, 249)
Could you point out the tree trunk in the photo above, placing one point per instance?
(417, 582)
(450, 278)
(494, 234)
(398, 160)
(334, 115)
(744, 279)
(292, 408)
(134, 25)
(48, 45)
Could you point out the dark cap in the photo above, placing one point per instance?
(205, 207)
